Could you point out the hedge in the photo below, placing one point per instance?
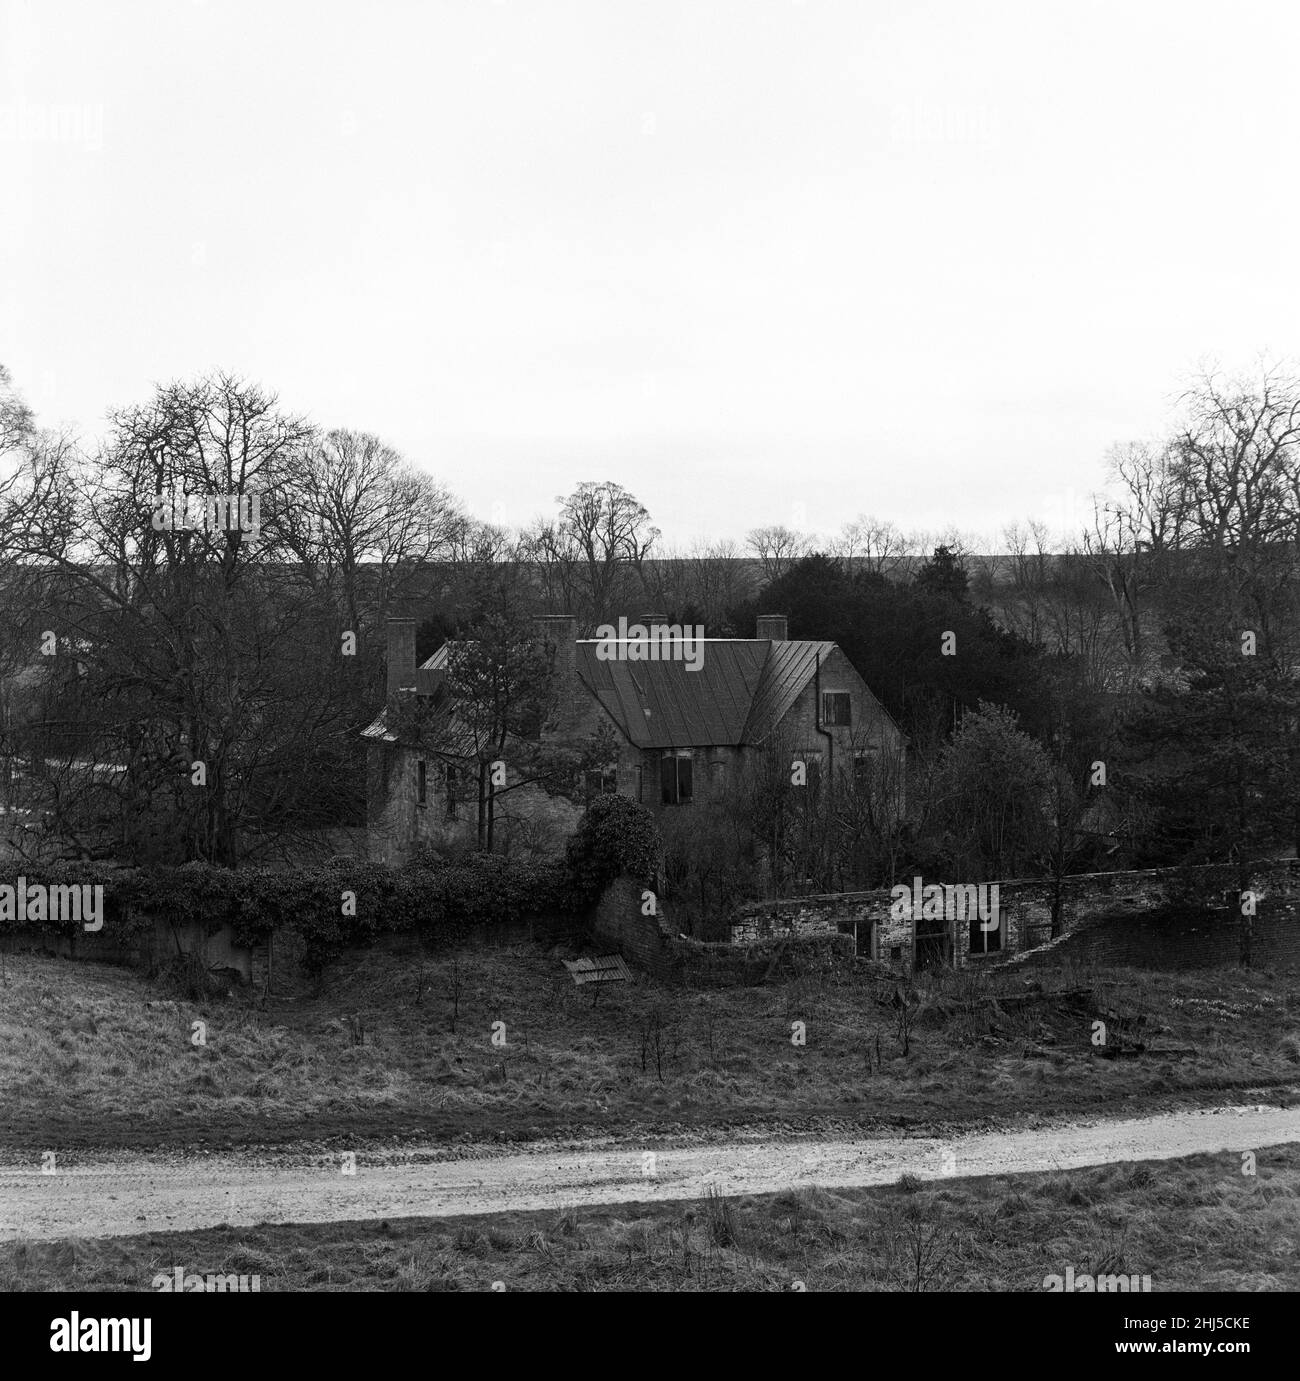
(346, 904)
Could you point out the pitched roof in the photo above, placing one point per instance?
(667, 705)
(428, 677)
(742, 690)
(788, 669)
(738, 695)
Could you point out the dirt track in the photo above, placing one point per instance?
(137, 1193)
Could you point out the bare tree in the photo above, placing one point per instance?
(777, 549)
(700, 584)
(16, 422)
(182, 643)
(367, 523)
(593, 555)
(1133, 534)
(870, 544)
(1216, 508)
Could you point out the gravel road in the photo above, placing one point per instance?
(123, 1194)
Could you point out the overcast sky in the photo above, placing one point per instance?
(760, 262)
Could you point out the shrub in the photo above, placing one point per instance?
(615, 836)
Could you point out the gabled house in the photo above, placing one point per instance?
(682, 727)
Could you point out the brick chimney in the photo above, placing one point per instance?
(401, 657)
(558, 635)
(773, 627)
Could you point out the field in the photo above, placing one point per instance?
(1197, 1224)
(394, 1047)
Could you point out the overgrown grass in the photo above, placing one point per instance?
(1192, 1224)
(391, 1045)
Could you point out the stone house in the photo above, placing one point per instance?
(681, 732)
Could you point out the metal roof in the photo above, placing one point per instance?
(788, 669)
(607, 968)
(666, 704)
(742, 689)
(429, 675)
(378, 728)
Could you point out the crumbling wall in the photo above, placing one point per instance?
(619, 920)
(1026, 908)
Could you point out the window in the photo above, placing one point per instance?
(453, 791)
(602, 780)
(640, 782)
(836, 709)
(675, 777)
(421, 783)
(717, 778)
(986, 941)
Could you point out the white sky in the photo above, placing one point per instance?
(923, 260)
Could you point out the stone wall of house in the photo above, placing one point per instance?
(390, 801)
(526, 818)
(586, 717)
(1025, 905)
(869, 726)
(713, 770)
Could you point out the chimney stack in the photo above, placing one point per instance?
(558, 634)
(401, 657)
(773, 627)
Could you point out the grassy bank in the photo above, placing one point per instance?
(392, 1047)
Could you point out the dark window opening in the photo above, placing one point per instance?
(932, 939)
(986, 941)
(421, 783)
(675, 779)
(836, 708)
(453, 792)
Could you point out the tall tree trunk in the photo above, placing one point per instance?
(482, 805)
